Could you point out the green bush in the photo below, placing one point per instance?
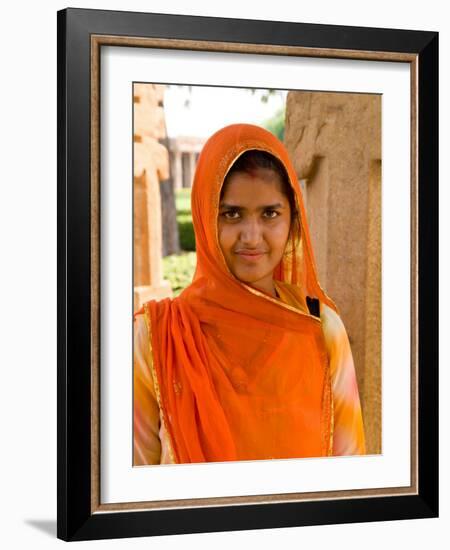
(179, 269)
(183, 200)
(184, 219)
(186, 233)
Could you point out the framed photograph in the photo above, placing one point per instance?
(183, 300)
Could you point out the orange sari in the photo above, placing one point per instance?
(240, 375)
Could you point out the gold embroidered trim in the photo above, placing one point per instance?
(282, 304)
(326, 413)
(330, 448)
(148, 323)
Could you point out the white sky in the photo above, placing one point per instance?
(212, 107)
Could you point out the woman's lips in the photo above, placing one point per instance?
(250, 255)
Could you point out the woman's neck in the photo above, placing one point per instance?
(267, 288)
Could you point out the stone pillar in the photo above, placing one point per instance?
(372, 374)
(192, 163)
(334, 140)
(151, 165)
(178, 170)
(184, 169)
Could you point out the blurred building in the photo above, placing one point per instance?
(183, 155)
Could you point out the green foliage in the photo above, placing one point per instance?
(184, 219)
(183, 200)
(275, 124)
(179, 269)
(186, 233)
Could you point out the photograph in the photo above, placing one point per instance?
(257, 274)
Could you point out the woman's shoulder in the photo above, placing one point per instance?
(330, 317)
(153, 307)
(140, 328)
(333, 327)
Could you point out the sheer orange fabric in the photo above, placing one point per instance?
(241, 375)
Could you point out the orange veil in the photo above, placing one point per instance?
(241, 375)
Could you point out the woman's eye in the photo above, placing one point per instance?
(270, 214)
(231, 214)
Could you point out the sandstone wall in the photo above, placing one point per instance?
(335, 142)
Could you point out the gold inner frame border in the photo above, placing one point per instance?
(97, 41)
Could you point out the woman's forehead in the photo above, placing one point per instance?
(242, 186)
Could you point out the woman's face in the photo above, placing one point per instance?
(253, 226)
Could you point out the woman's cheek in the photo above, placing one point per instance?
(227, 238)
(279, 235)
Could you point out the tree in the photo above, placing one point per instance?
(276, 123)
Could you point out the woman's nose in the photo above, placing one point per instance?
(251, 233)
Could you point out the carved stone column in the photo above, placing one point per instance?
(151, 165)
(192, 164)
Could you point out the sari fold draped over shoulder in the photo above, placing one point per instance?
(238, 374)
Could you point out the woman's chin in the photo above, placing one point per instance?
(249, 278)
(259, 280)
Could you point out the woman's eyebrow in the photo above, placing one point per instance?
(227, 205)
(263, 207)
(275, 206)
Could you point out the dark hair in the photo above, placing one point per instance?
(253, 160)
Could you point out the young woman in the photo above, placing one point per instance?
(252, 360)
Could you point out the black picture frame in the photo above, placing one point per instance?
(78, 518)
